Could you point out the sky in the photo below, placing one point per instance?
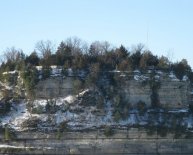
(164, 26)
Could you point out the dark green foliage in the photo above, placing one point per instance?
(32, 59)
(30, 77)
(151, 130)
(51, 106)
(148, 59)
(181, 68)
(108, 131)
(191, 108)
(5, 106)
(63, 126)
(162, 131)
(154, 85)
(135, 58)
(99, 57)
(155, 99)
(141, 106)
(46, 72)
(33, 122)
(64, 55)
(9, 133)
(117, 116)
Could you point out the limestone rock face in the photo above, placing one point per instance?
(171, 94)
(54, 87)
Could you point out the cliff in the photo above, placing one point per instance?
(170, 94)
(132, 141)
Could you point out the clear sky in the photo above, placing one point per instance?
(164, 26)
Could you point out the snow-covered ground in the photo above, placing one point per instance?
(78, 116)
(87, 119)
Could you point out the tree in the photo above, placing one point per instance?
(14, 55)
(124, 65)
(13, 58)
(136, 56)
(63, 54)
(45, 48)
(148, 59)
(33, 59)
(181, 68)
(94, 71)
(122, 52)
(30, 78)
(163, 62)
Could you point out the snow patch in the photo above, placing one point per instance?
(10, 72)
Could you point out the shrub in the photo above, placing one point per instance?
(108, 131)
(191, 108)
(141, 107)
(162, 131)
(8, 133)
(117, 116)
(63, 126)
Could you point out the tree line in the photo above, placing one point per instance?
(98, 56)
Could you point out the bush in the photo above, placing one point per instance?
(8, 133)
(108, 131)
(141, 107)
(5, 106)
(162, 131)
(191, 108)
(63, 126)
(117, 116)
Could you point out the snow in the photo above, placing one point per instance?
(69, 99)
(185, 78)
(10, 72)
(83, 92)
(173, 77)
(39, 68)
(122, 75)
(159, 72)
(40, 102)
(87, 118)
(18, 114)
(70, 72)
(6, 87)
(136, 71)
(108, 109)
(140, 77)
(179, 111)
(67, 116)
(115, 71)
(9, 146)
(21, 147)
(55, 71)
(157, 77)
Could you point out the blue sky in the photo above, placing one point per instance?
(168, 23)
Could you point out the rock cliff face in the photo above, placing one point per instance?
(171, 94)
(54, 87)
(132, 141)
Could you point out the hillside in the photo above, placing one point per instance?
(108, 92)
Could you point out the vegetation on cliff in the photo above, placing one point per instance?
(98, 75)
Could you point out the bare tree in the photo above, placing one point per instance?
(75, 44)
(138, 48)
(45, 48)
(13, 54)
